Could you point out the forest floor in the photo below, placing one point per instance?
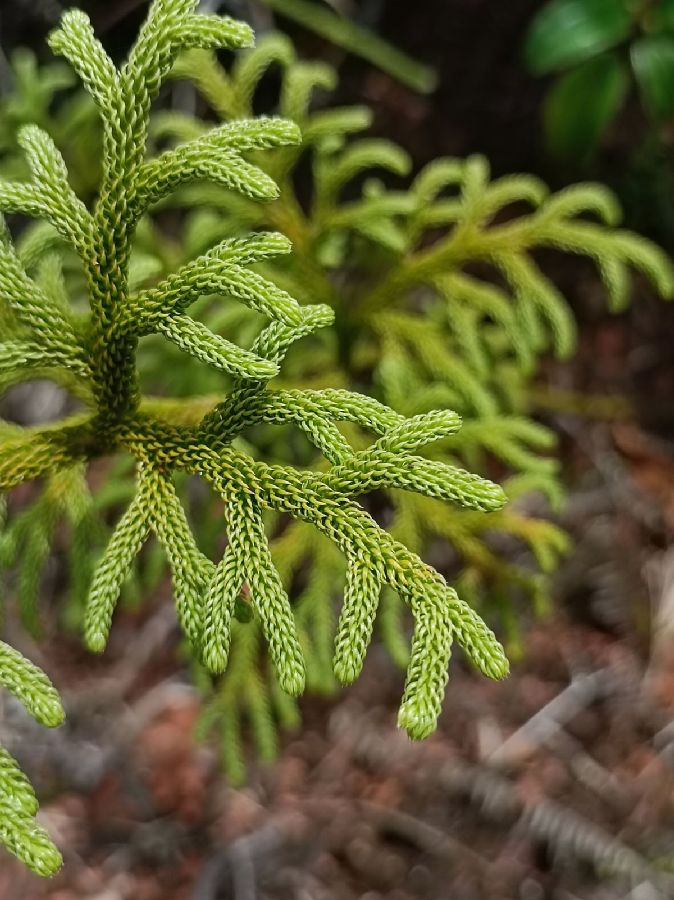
(556, 783)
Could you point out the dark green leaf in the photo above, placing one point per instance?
(653, 64)
(566, 32)
(661, 17)
(581, 105)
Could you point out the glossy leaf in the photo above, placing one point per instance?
(567, 32)
(582, 104)
(653, 64)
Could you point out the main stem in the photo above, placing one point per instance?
(113, 340)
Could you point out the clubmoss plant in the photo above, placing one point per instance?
(439, 295)
(97, 352)
(440, 300)
(19, 831)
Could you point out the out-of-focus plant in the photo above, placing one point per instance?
(324, 20)
(599, 50)
(330, 21)
(45, 95)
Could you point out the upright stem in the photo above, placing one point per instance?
(114, 342)
(113, 346)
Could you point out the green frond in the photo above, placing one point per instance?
(28, 841)
(424, 342)
(582, 198)
(249, 67)
(298, 86)
(436, 177)
(328, 123)
(190, 570)
(19, 832)
(248, 541)
(106, 584)
(356, 621)
(365, 154)
(195, 339)
(194, 161)
(210, 80)
(223, 591)
(75, 40)
(30, 686)
(538, 300)
(504, 191)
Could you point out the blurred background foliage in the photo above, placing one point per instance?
(609, 65)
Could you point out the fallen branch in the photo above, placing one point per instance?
(425, 837)
(498, 799)
(583, 691)
(236, 871)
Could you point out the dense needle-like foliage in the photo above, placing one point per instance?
(440, 300)
(94, 353)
